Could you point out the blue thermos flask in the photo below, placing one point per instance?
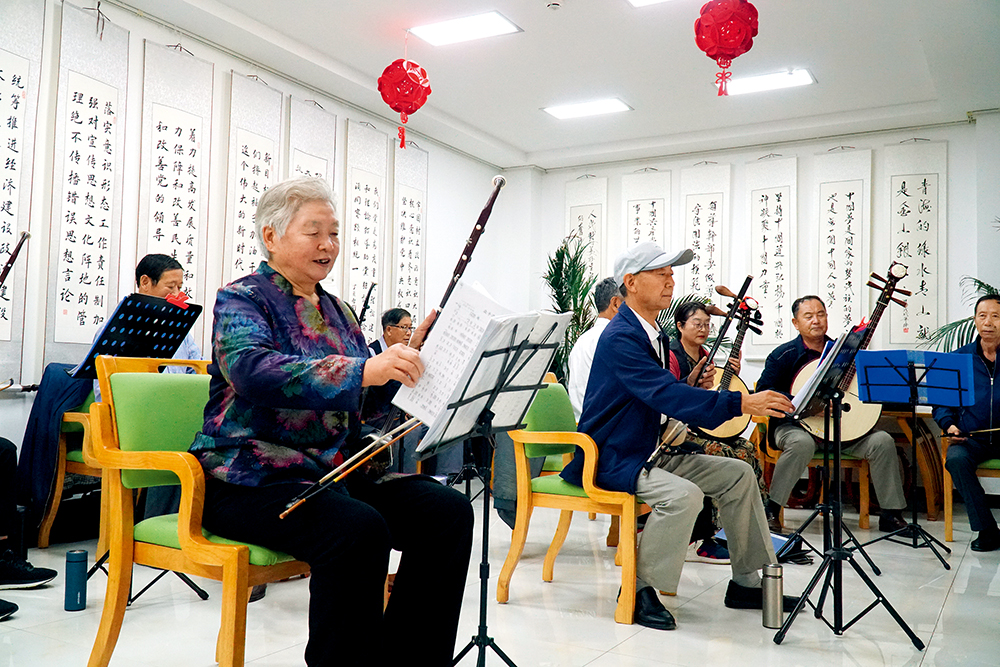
(76, 580)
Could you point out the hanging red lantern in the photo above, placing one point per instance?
(725, 30)
(404, 87)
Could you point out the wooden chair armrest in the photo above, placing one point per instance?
(589, 447)
(945, 441)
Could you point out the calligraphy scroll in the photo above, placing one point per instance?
(646, 207)
(21, 25)
(173, 194)
(917, 217)
(312, 138)
(88, 165)
(843, 235)
(364, 216)
(410, 209)
(586, 204)
(705, 202)
(771, 212)
(255, 129)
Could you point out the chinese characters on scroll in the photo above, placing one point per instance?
(175, 189)
(13, 107)
(307, 165)
(585, 223)
(364, 203)
(255, 163)
(83, 263)
(770, 261)
(645, 220)
(703, 234)
(409, 230)
(913, 237)
(841, 249)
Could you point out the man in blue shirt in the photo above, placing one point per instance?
(629, 392)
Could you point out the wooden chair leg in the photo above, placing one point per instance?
(592, 516)
(565, 516)
(948, 508)
(613, 529)
(517, 540)
(625, 611)
(102, 535)
(231, 646)
(49, 518)
(119, 585)
(863, 473)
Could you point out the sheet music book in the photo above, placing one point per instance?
(471, 324)
(141, 326)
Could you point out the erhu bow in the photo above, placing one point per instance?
(380, 442)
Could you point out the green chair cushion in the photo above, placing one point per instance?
(75, 455)
(992, 464)
(553, 463)
(179, 402)
(844, 456)
(556, 485)
(550, 411)
(162, 530)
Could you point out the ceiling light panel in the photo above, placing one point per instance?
(593, 108)
(776, 81)
(465, 29)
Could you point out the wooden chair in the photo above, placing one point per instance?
(990, 468)
(551, 429)
(73, 460)
(770, 457)
(140, 435)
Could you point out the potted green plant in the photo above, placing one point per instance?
(961, 332)
(570, 283)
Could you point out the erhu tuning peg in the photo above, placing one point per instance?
(904, 292)
(899, 301)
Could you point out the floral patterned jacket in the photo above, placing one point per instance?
(285, 387)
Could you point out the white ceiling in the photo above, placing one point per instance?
(879, 64)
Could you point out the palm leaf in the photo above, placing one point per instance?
(961, 332)
(667, 323)
(570, 283)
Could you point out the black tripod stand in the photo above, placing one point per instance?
(934, 379)
(837, 554)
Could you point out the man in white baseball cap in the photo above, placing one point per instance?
(630, 389)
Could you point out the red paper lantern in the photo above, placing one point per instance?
(404, 87)
(725, 30)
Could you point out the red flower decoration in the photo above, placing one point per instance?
(725, 30)
(404, 87)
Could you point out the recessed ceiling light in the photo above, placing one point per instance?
(776, 81)
(465, 29)
(594, 108)
(643, 3)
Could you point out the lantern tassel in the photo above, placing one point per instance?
(402, 136)
(722, 78)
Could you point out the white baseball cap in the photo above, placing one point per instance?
(647, 256)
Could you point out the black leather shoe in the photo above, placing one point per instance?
(987, 541)
(772, 511)
(744, 597)
(889, 523)
(650, 612)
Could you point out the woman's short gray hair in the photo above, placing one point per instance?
(279, 204)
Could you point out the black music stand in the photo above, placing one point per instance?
(913, 378)
(822, 389)
(512, 384)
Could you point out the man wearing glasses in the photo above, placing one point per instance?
(397, 325)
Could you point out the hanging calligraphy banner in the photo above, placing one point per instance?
(844, 229)
(771, 206)
(312, 139)
(364, 220)
(21, 25)
(917, 184)
(586, 207)
(645, 207)
(84, 259)
(173, 193)
(410, 210)
(705, 200)
(254, 140)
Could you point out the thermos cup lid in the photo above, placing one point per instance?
(772, 570)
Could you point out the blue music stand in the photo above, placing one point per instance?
(915, 377)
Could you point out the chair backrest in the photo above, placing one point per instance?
(153, 411)
(551, 410)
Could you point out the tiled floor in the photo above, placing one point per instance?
(568, 622)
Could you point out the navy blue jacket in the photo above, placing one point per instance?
(985, 412)
(627, 392)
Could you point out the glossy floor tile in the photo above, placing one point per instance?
(568, 622)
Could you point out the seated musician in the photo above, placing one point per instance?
(397, 325)
(693, 323)
(968, 449)
(628, 391)
(798, 446)
(607, 300)
(289, 365)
